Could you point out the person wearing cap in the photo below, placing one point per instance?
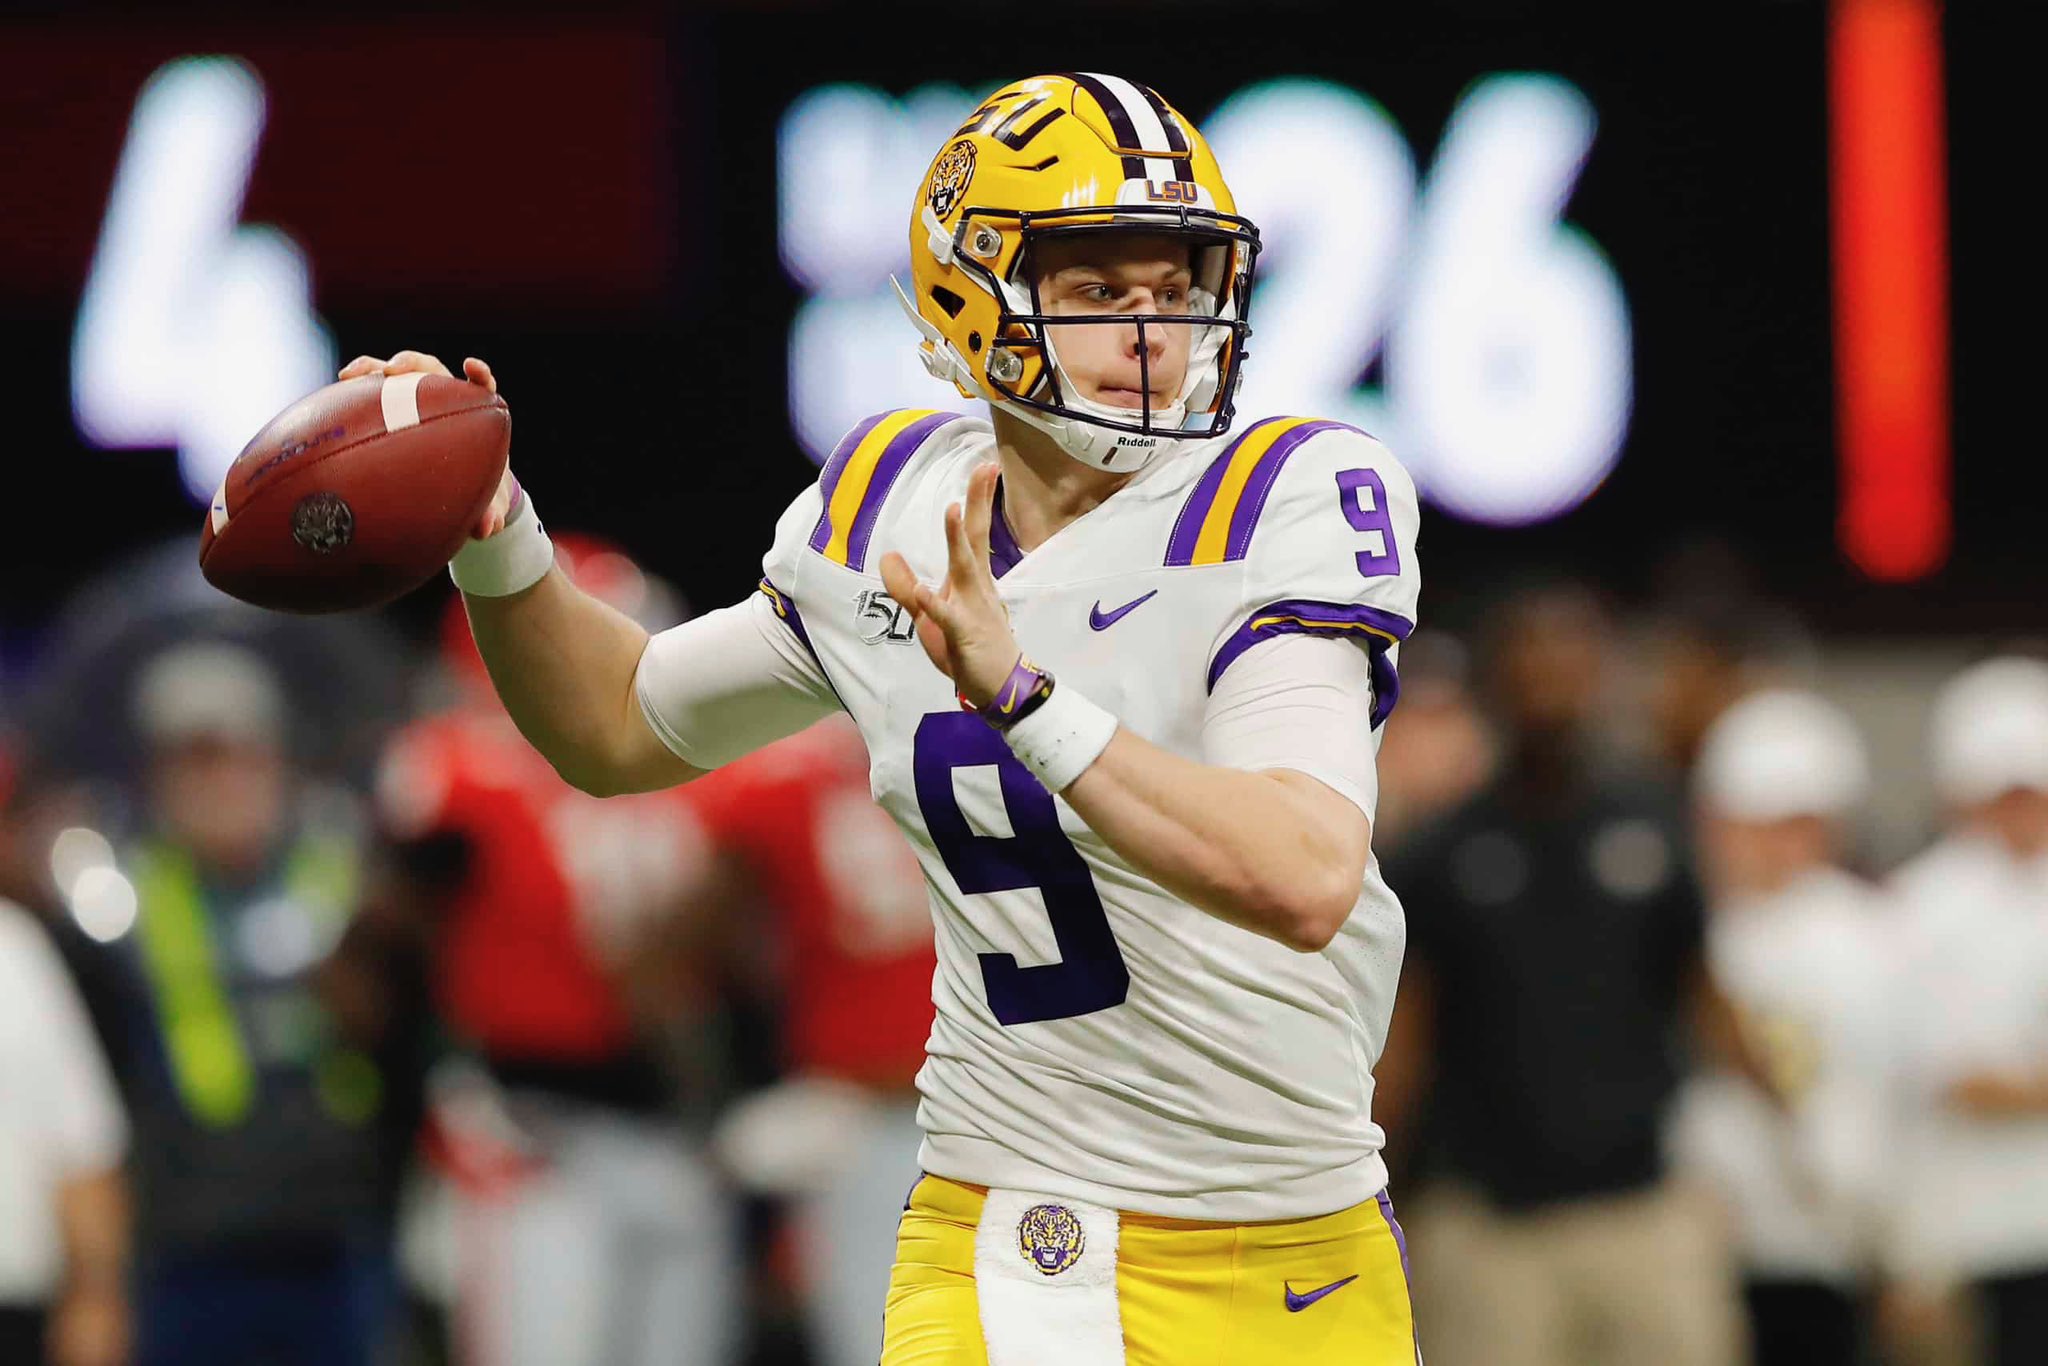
(1798, 947)
(1973, 914)
(262, 1172)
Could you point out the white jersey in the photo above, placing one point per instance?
(1809, 970)
(1974, 928)
(1095, 1036)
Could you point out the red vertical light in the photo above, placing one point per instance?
(1889, 201)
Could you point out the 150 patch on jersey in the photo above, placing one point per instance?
(881, 618)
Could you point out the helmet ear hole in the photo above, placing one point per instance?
(974, 341)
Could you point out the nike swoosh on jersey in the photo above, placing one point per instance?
(1101, 621)
(1297, 1303)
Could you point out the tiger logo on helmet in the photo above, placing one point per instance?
(1067, 154)
(950, 176)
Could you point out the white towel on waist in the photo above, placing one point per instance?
(1045, 1274)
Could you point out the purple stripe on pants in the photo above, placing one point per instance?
(1386, 1204)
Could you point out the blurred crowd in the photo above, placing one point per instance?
(334, 1027)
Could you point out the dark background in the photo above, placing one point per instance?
(587, 199)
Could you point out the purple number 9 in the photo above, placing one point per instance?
(1364, 499)
(1090, 975)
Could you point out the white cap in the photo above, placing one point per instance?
(1990, 730)
(1780, 753)
(211, 689)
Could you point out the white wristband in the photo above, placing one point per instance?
(1062, 737)
(516, 557)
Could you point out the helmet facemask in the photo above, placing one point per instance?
(1024, 373)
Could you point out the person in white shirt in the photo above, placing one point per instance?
(1973, 913)
(63, 1206)
(1797, 946)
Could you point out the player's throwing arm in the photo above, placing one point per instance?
(562, 661)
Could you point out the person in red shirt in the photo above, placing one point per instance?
(590, 1227)
(838, 1135)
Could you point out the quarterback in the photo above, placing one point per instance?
(1121, 664)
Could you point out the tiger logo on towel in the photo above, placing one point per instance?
(1050, 1238)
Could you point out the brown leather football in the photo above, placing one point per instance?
(357, 493)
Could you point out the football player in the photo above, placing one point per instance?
(1121, 665)
(589, 1227)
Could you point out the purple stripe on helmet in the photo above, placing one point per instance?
(1003, 550)
(828, 479)
(1187, 528)
(1251, 501)
(1174, 137)
(894, 457)
(1334, 619)
(1119, 120)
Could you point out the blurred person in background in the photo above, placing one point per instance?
(589, 1225)
(1554, 961)
(64, 1212)
(262, 1176)
(1709, 637)
(1801, 949)
(1974, 923)
(837, 1136)
(1442, 752)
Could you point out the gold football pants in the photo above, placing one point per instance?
(1331, 1289)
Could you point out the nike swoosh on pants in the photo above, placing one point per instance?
(1297, 1303)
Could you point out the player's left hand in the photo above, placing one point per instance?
(962, 624)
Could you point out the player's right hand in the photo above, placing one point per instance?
(476, 372)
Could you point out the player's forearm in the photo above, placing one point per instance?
(563, 665)
(1273, 852)
(92, 1216)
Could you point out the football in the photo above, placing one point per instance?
(357, 493)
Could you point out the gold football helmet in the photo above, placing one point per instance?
(1069, 154)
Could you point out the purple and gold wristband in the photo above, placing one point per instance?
(1022, 693)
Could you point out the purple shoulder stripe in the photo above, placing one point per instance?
(1244, 519)
(1373, 627)
(835, 468)
(1187, 528)
(887, 468)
